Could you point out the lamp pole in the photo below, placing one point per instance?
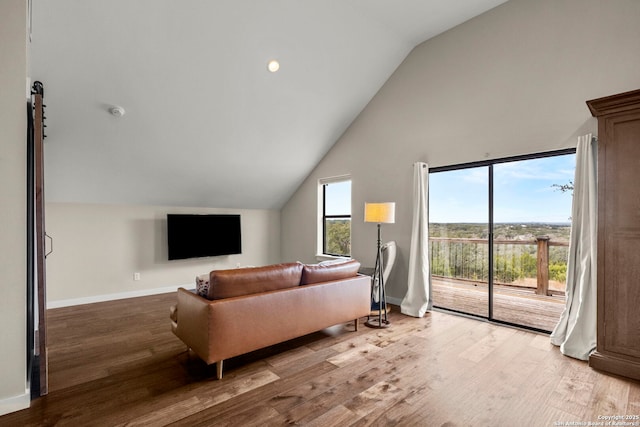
(382, 300)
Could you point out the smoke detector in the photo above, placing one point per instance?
(117, 111)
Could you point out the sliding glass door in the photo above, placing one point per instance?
(458, 234)
(531, 226)
(499, 234)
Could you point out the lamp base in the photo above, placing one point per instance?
(375, 309)
(375, 322)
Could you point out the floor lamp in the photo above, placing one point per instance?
(379, 213)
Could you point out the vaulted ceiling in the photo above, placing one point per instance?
(206, 124)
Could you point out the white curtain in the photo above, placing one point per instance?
(576, 330)
(418, 298)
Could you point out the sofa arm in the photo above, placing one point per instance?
(193, 322)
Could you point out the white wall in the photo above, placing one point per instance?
(98, 248)
(511, 81)
(13, 175)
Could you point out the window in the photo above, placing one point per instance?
(335, 198)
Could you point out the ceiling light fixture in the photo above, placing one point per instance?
(117, 111)
(273, 66)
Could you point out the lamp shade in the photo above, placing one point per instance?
(380, 212)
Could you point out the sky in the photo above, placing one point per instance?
(523, 192)
(338, 200)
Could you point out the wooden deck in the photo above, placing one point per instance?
(510, 304)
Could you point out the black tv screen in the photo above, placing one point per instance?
(195, 236)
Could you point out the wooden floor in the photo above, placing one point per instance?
(117, 363)
(510, 304)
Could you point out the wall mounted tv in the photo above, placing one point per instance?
(195, 236)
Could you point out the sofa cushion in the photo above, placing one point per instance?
(245, 281)
(325, 272)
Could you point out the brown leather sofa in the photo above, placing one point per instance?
(247, 309)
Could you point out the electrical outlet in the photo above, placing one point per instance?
(136, 276)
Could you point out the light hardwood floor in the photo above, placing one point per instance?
(117, 363)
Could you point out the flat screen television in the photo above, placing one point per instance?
(195, 236)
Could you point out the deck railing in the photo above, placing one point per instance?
(514, 261)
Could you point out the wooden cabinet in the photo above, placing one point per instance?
(618, 344)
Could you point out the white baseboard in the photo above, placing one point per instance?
(15, 403)
(116, 296)
(142, 293)
(394, 301)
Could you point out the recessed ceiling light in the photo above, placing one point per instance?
(273, 66)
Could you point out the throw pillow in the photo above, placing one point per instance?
(202, 285)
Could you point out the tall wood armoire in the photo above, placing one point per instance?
(618, 344)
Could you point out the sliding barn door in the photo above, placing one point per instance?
(39, 378)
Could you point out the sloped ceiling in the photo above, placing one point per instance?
(206, 124)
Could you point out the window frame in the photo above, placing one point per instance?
(323, 217)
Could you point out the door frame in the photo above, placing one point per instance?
(489, 164)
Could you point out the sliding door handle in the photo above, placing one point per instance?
(50, 244)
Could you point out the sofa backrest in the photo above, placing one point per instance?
(325, 272)
(245, 281)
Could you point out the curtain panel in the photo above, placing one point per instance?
(576, 331)
(418, 297)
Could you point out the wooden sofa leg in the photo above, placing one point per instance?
(219, 370)
(357, 325)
